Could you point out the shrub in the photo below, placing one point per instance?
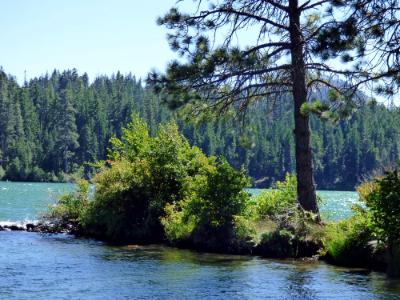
(383, 201)
(382, 198)
(121, 209)
(146, 174)
(296, 234)
(348, 242)
(157, 187)
(70, 209)
(209, 214)
(280, 199)
(293, 232)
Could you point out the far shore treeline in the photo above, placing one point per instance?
(53, 125)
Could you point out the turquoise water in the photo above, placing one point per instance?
(335, 205)
(21, 201)
(25, 201)
(34, 266)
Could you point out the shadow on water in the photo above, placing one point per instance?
(170, 255)
(51, 265)
(242, 276)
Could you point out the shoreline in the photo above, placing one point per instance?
(42, 228)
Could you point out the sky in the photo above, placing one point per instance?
(99, 37)
(94, 36)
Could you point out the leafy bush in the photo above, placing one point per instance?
(295, 234)
(382, 198)
(145, 174)
(121, 208)
(209, 214)
(383, 201)
(157, 187)
(348, 242)
(280, 199)
(68, 212)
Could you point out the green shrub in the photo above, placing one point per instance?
(382, 198)
(209, 214)
(121, 207)
(348, 242)
(383, 202)
(245, 229)
(291, 232)
(145, 174)
(280, 199)
(295, 234)
(159, 187)
(70, 209)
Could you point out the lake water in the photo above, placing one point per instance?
(34, 266)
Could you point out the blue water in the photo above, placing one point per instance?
(335, 205)
(25, 201)
(34, 266)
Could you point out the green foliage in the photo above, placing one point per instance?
(121, 208)
(157, 187)
(348, 242)
(383, 202)
(68, 213)
(382, 198)
(134, 142)
(282, 198)
(209, 215)
(146, 174)
(245, 229)
(296, 234)
(291, 232)
(316, 107)
(178, 226)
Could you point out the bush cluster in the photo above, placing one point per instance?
(160, 188)
(68, 213)
(281, 199)
(157, 188)
(371, 238)
(289, 231)
(349, 242)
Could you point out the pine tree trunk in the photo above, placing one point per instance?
(304, 168)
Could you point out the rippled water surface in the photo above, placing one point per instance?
(34, 266)
(335, 205)
(25, 201)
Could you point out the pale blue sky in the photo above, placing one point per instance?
(94, 36)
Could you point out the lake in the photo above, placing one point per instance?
(35, 266)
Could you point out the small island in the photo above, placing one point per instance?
(258, 159)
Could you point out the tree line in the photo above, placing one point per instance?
(57, 124)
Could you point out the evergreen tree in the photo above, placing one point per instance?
(282, 59)
(66, 134)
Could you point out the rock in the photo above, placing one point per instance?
(30, 227)
(14, 227)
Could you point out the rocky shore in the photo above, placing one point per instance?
(29, 227)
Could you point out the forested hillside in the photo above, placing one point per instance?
(53, 124)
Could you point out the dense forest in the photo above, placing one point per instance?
(54, 124)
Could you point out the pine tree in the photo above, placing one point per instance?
(66, 139)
